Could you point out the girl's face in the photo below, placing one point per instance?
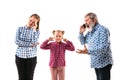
(58, 36)
(32, 21)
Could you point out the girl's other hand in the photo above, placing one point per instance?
(51, 39)
(65, 40)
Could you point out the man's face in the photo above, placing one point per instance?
(89, 22)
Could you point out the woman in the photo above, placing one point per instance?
(27, 41)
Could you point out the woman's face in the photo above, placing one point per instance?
(32, 21)
(58, 36)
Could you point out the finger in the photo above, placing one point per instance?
(78, 52)
(52, 38)
(38, 43)
(78, 49)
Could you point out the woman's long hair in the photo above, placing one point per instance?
(38, 18)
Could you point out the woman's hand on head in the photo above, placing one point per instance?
(35, 26)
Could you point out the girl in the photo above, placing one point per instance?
(57, 53)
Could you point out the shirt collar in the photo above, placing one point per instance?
(58, 42)
(27, 27)
(95, 27)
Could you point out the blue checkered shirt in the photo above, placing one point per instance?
(98, 42)
(25, 37)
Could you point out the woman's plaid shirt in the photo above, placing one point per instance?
(25, 37)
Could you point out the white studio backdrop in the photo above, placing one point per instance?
(67, 15)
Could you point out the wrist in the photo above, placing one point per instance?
(34, 29)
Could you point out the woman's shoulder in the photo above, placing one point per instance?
(21, 27)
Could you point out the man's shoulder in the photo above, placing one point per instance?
(102, 27)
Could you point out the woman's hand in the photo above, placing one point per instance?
(35, 26)
(33, 45)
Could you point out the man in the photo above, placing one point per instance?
(97, 44)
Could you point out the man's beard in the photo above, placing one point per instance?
(91, 27)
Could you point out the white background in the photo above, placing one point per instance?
(67, 15)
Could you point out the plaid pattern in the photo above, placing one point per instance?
(24, 38)
(98, 43)
(57, 52)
